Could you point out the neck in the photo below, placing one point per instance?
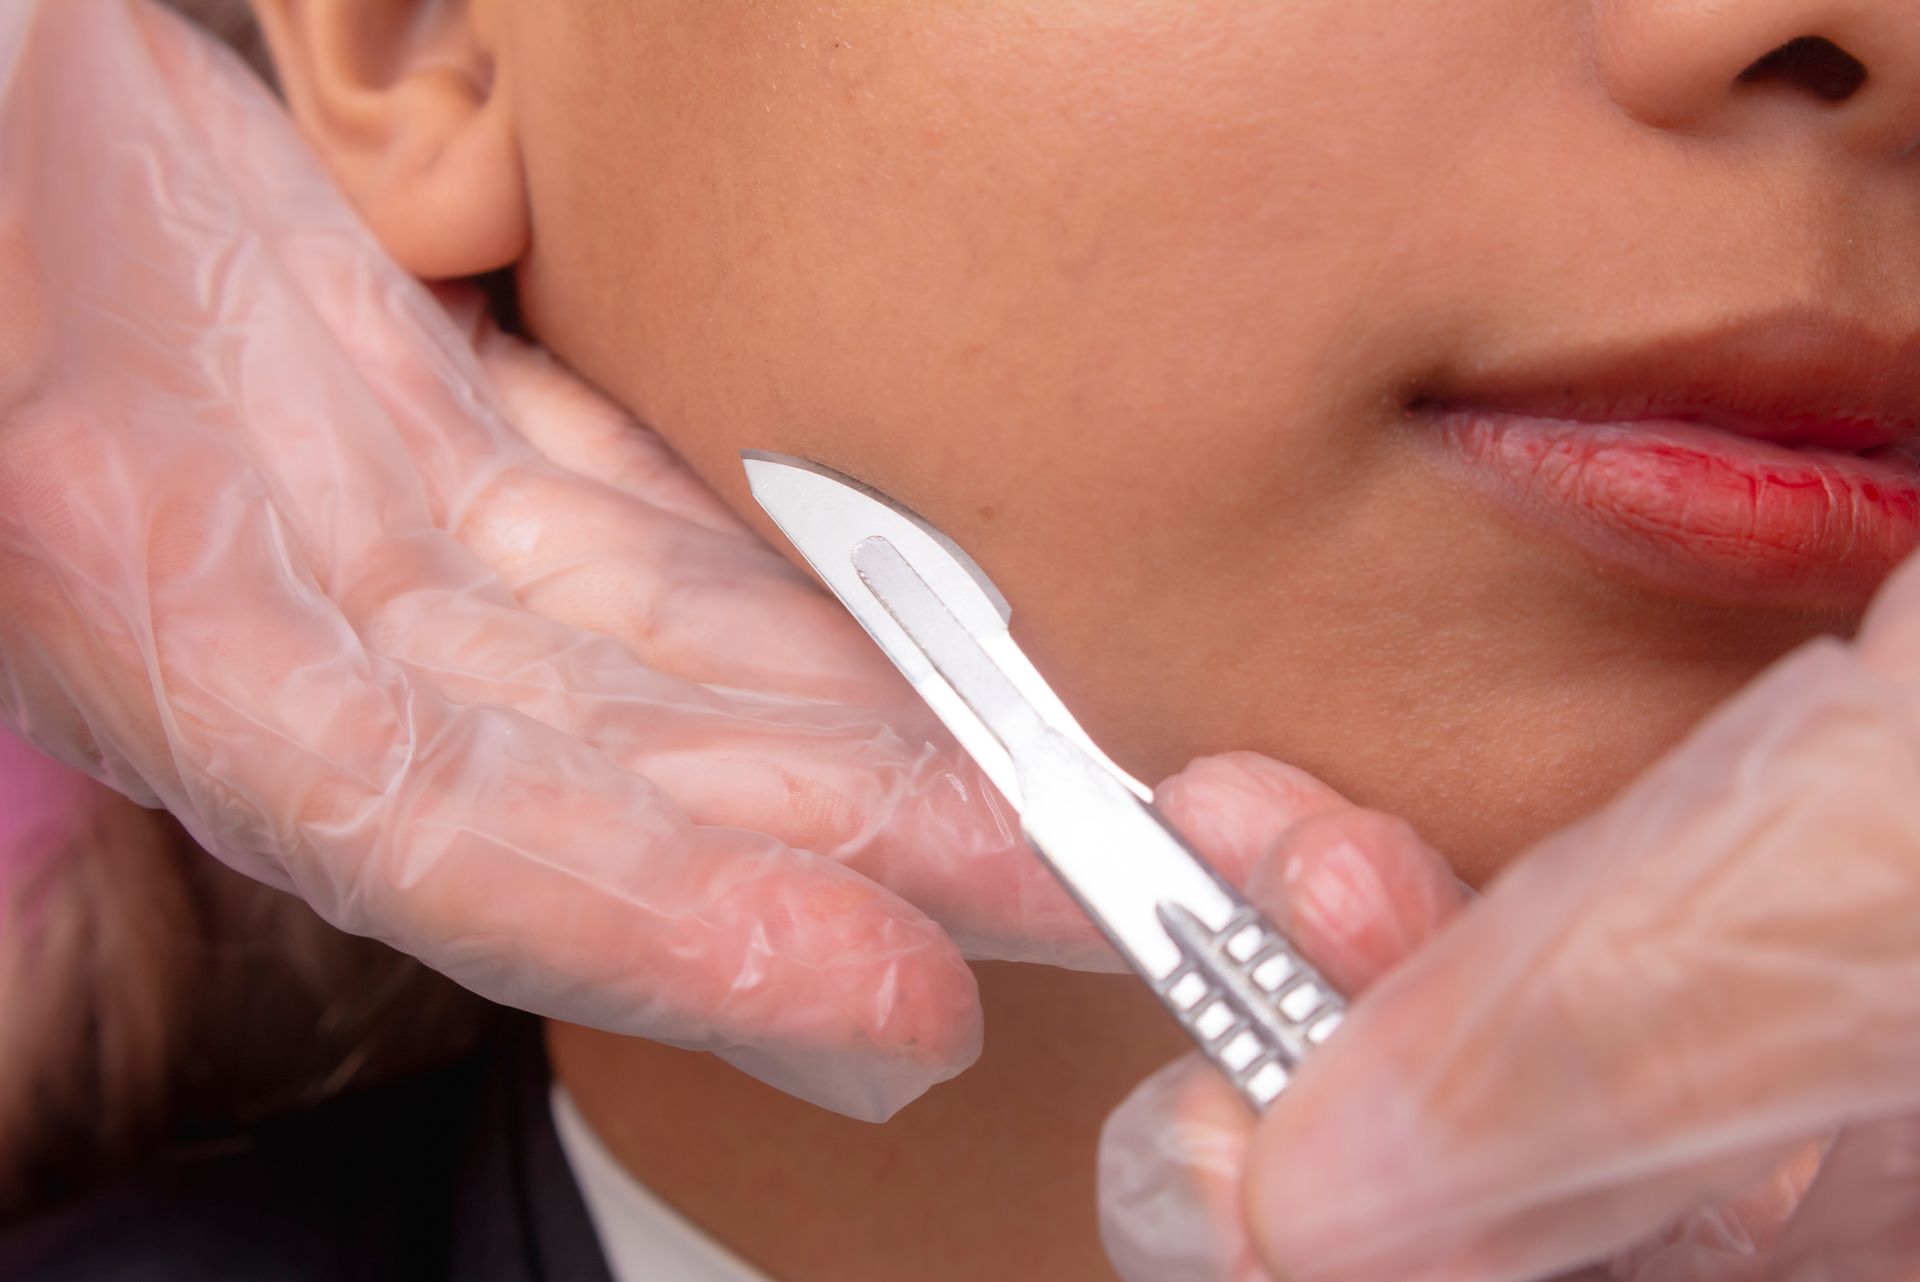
(990, 1175)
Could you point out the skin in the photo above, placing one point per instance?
(1131, 302)
(1133, 299)
(989, 1175)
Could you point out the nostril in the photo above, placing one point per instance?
(1812, 63)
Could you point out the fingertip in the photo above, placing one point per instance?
(1169, 1172)
(889, 1028)
(1233, 805)
(923, 1027)
(929, 1011)
(1359, 890)
(1251, 777)
(830, 959)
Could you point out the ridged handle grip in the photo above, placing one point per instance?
(1253, 1004)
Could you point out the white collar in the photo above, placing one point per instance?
(643, 1238)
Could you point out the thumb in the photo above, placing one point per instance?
(1356, 891)
(1652, 1010)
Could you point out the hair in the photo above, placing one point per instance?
(150, 996)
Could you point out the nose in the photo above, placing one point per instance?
(1850, 68)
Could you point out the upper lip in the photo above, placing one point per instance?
(1799, 378)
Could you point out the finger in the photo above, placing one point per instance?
(619, 537)
(843, 758)
(912, 814)
(517, 859)
(875, 782)
(1169, 1178)
(1648, 1013)
(585, 433)
(1357, 890)
(839, 756)
(701, 605)
(1233, 806)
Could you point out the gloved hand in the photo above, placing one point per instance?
(1680, 1041)
(1358, 892)
(394, 614)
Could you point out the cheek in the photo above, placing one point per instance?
(1125, 297)
(1127, 221)
(1062, 282)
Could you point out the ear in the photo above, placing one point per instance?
(405, 101)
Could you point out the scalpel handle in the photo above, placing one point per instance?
(1249, 1000)
(1251, 1003)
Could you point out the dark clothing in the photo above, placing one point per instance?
(457, 1176)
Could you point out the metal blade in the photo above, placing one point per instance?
(828, 515)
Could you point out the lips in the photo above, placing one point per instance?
(1771, 464)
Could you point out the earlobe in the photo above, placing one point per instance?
(410, 111)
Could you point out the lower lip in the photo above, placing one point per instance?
(1697, 512)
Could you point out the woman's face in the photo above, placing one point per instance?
(1372, 384)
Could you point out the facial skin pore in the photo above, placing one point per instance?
(1145, 304)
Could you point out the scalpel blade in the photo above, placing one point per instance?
(828, 515)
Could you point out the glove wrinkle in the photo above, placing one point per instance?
(395, 613)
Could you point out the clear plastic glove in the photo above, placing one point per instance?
(1359, 892)
(396, 615)
(1680, 1041)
